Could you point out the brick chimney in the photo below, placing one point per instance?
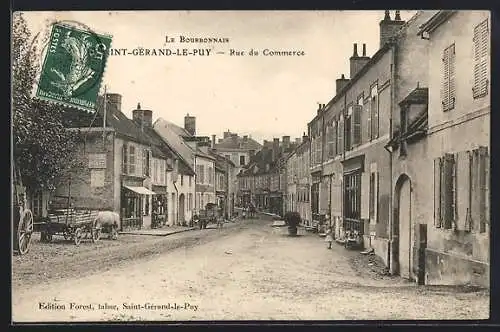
(115, 100)
(320, 108)
(389, 28)
(190, 124)
(286, 142)
(227, 134)
(143, 118)
(276, 148)
(213, 141)
(340, 83)
(357, 62)
(304, 137)
(298, 141)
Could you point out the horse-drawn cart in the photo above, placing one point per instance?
(73, 224)
(206, 216)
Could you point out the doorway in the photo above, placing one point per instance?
(181, 209)
(405, 228)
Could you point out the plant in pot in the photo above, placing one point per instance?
(292, 220)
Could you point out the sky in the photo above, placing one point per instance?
(260, 96)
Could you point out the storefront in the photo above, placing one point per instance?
(159, 207)
(135, 207)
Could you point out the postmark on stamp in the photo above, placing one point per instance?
(73, 66)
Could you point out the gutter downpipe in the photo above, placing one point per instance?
(392, 108)
(342, 188)
(177, 205)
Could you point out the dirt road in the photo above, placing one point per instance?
(251, 271)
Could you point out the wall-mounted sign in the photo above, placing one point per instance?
(97, 160)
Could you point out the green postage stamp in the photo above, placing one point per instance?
(73, 67)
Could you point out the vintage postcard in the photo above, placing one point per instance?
(250, 165)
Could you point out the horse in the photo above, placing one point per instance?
(109, 221)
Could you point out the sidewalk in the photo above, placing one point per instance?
(159, 231)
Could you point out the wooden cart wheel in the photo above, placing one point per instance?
(96, 232)
(24, 232)
(78, 236)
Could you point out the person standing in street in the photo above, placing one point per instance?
(329, 237)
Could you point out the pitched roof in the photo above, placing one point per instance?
(123, 126)
(238, 142)
(176, 129)
(417, 96)
(164, 129)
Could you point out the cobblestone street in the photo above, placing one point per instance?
(249, 270)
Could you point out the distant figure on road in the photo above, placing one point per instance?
(244, 212)
(329, 237)
(252, 210)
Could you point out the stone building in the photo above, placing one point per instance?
(298, 180)
(441, 152)
(116, 171)
(350, 164)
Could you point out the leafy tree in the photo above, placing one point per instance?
(43, 149)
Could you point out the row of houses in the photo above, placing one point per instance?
(262, 182)
(151, 173)
(401, 152)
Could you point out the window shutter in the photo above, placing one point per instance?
(483, 186)
(365, 195)
(374, 117)
(445, 76)
(375, 204)
(448, 204)
(341, 135)
(462, 166)
(125, 159)
(452, 77)
(437, 192)
(481, 59)
(357, 124)
(368, 121)
(372, 196)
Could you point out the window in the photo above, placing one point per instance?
(404, 128)
(145, 162)
(352, 196)
(131, 160)
(373, 197)
(445, 208)
(200, 174)
(198, 195)
(448, 78)
(356, 124)
(340, 135)
(331, 136)
(125, 159)
(348, 129)
(190, 201)
(190, 180)
(182, 180)
(242, 160)
(210, 176)
(479, 189)
(374, 113)
(162, 171)
(481, 42)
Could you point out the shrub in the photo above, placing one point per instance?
(292, 219)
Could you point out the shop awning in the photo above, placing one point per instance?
(140, 190)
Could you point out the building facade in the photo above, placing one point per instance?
(116, 166)
(181, 180)
(298, 180)
(452, 226)
(351, 166)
